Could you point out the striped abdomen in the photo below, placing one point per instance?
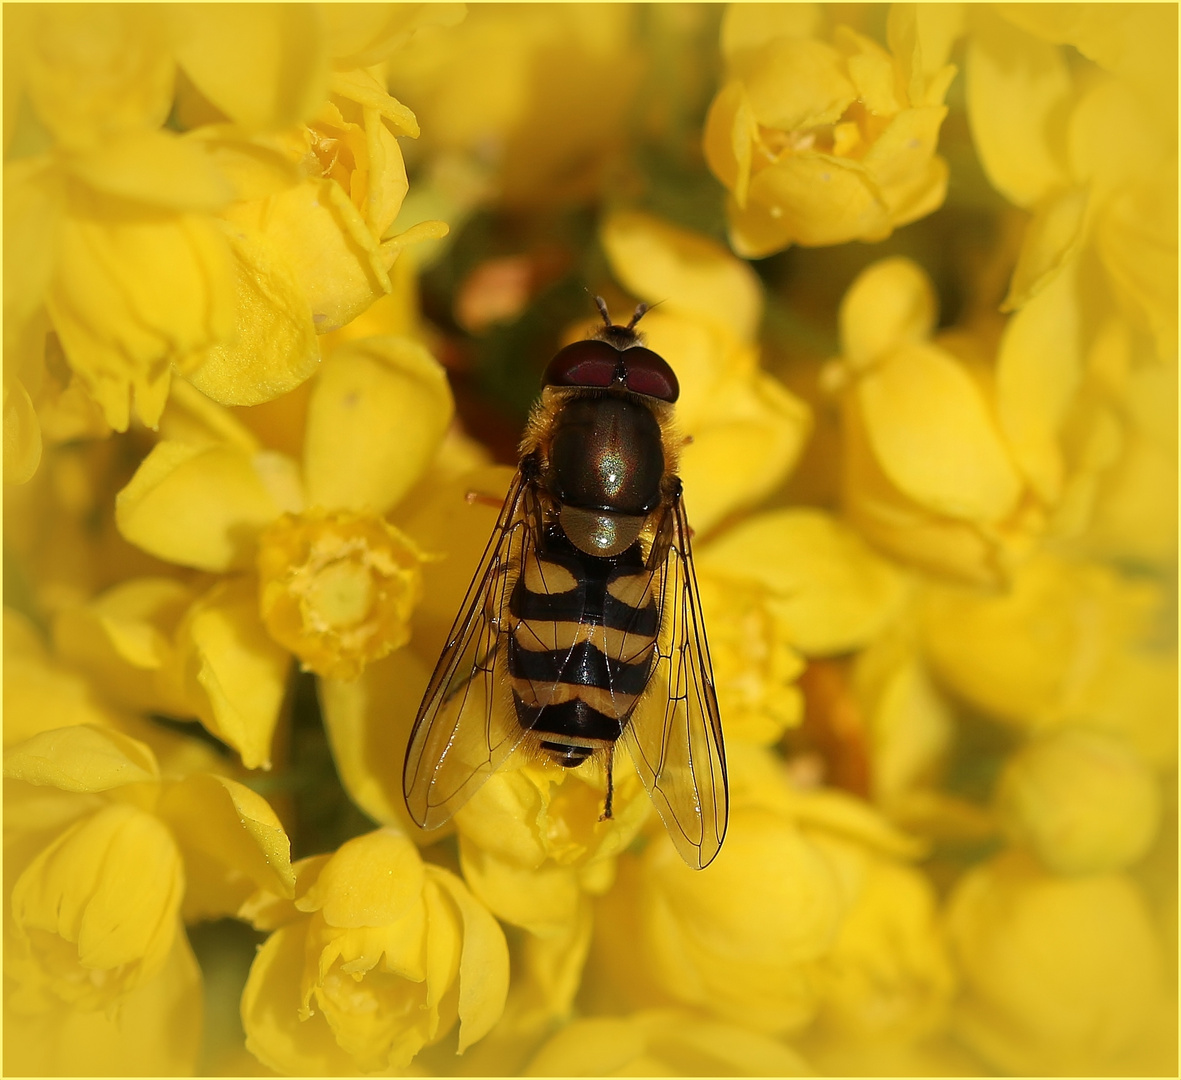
(580, 648)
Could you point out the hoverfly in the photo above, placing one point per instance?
(584, 604)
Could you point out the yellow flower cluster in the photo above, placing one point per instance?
(256, 437)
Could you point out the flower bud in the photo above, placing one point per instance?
(99, 907)
(1083, 801)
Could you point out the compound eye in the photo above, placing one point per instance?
(585, 363)
(649, 374)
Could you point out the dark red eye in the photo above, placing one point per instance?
(585, 363)
(648, 373)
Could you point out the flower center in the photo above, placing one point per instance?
(338, 588)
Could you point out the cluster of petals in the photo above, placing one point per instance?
(825, 141)
(167, 218)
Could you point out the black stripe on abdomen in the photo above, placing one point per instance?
(573, 719)
(582, 665)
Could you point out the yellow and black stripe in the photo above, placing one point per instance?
(580, 649)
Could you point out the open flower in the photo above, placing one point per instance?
(822, 143)
(105, 858)
(311, 565)
(378, 956)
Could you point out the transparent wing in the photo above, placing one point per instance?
(675, 737)
(466, 725)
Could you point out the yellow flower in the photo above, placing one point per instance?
(200, 253)
(823, 143)
(1090, 151)
(1084, 802)
(531, 842)
(105, 857)
(1063, 976)
(378, 957)
(1070, 642)
(928, 475)
(888, 976)
(751, 938)
(662, 1043)
(336, 583)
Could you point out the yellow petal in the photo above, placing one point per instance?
(834, 593)
(738, 939)
(107, 893)
(730, 131)
(811, 199)
(368, 722)
(360, 35)
(1110, 140)
(1052, 241)
(253, 167)
(911, 724)
(240, 674)
(265, 67)
(747, 26)
(360, 86)
(890, 303)
(871, 69)
(156, 168)
(270, 1011)
(483, 965)
(40, 695)
(1038, 369)
(273, 348)
(93, 71)
(687, 273)
(1137, 239)
(22, 434)
(932, 434)
(543, 900)
(371, 880)
(753, 435)
(231, 841)
(1135, 42)
(921, 36)
(201, 506)
(135, 292)
(377, 415)
(81, 759)
(888, 974)
(796, 83)
(1018, 88)
(318, 234)
(34, 200)
(902, 161)
(123, 639)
